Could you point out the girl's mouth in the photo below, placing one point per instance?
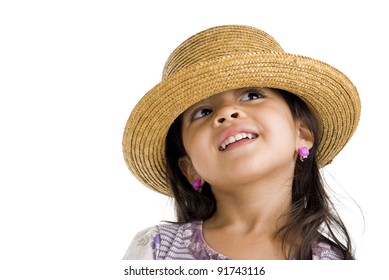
(236, 138)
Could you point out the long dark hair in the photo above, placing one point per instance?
(313, 215)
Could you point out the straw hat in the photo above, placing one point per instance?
(231, 57)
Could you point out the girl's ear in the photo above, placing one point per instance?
(305, 136)
(188, 169)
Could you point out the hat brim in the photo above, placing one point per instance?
(325, 89)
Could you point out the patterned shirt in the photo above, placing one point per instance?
(186, 242)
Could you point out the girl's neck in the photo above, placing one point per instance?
(247, 220)
(252, 208)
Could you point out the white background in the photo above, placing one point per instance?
(70, 73)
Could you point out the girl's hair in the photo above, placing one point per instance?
(313, 217)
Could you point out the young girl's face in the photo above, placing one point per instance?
(240, 137)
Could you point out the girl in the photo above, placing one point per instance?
(236, 132)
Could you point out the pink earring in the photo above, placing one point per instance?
(303, 153)
(197, 185)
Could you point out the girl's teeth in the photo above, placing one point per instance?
(235, 138)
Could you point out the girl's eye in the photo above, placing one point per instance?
(202, 112)
(251, 95)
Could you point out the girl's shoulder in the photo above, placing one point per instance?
(140, 247)
(325, 249)
(163, 241)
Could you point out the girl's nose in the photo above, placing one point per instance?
(232, 116)
(226, 113)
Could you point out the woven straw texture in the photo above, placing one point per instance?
(231, 57)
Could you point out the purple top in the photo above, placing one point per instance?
(186, 242)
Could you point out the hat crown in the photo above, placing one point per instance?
(216, 42)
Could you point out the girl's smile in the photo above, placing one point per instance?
(235, 136)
